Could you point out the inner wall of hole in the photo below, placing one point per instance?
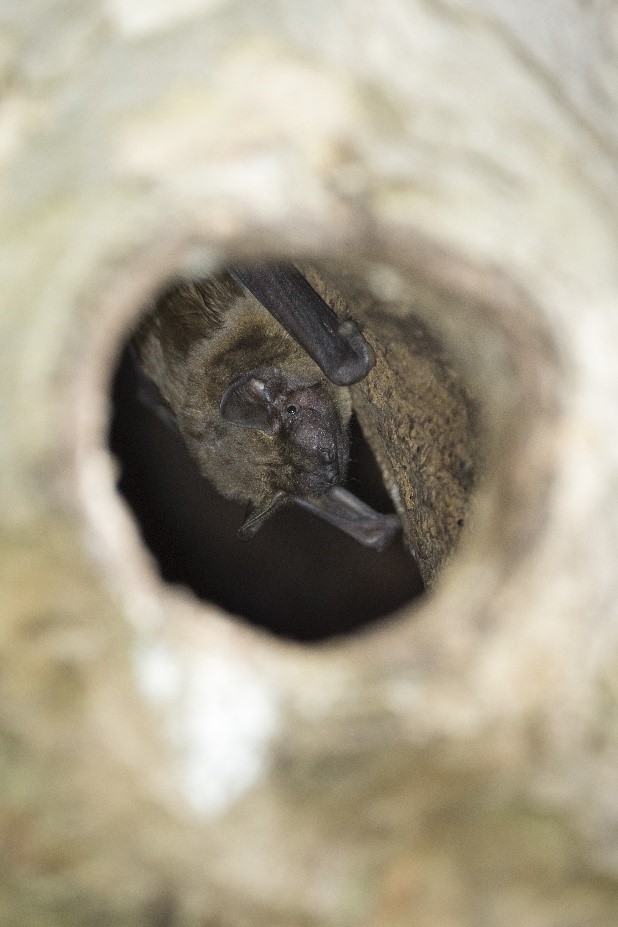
(298, 577)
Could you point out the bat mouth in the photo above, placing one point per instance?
(333, 476)
(316, 482)
(329, 464)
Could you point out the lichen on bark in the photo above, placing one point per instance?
(458, 762)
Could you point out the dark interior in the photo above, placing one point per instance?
(298, 577)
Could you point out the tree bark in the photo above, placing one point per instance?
(161, 763)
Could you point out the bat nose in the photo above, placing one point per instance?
(330, 470)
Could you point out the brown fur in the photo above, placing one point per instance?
(198, 339)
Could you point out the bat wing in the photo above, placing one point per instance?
(257, 515)
(345, 511)
(336, 345)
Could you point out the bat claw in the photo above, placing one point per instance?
(360, 359)
(337, 346)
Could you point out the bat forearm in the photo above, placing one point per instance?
(345, 511)
(336, 345)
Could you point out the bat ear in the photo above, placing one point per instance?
(257, 514)
(249, 403)
(148, 393)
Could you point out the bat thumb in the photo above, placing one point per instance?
(258, 514)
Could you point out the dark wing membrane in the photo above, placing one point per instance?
(345, 511)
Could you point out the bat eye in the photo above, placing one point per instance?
(291, 410)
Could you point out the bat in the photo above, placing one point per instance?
(252, 367)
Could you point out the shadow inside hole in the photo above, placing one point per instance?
(298, 577)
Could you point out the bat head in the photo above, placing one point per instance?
(306, 430)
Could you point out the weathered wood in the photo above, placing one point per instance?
(161, 764)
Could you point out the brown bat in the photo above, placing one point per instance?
(252, 367)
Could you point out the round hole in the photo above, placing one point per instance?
(298, 577)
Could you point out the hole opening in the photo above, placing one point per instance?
(299, 578)
(492, 340)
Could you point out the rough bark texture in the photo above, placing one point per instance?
(417, 414)
(160, 764)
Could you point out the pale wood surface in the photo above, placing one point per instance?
(458, 766)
